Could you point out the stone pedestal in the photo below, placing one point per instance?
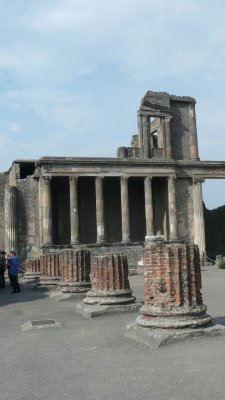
(110, 291)
(172, 293)
(32, 271)
(50, 272)
(75, 271)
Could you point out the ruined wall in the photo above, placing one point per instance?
(215, 231)
(180, 135)
(28, 218)
(184, 203)
(3, 183)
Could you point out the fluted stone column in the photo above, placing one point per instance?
(11, 218)
(168, 138)
(74, 211)
(199, 224)
(193, 132)
(148, 206)
(172, 208)
(100, 209)
(46, 210)
(75, 267)
(50, 272)
(109, 281)
(125, 209)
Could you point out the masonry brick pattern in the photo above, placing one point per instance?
(172, 286)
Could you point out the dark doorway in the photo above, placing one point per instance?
(137, 209)
(60, 210)
(160, 206)
(87, 209)
(112, 204)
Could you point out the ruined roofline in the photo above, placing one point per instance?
(172, 97)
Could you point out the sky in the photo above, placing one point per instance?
(73, 72)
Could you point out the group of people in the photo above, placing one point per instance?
(9, 262)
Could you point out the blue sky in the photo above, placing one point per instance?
(72, 73)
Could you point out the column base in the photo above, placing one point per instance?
(74, 287)
(157, 338)
(101, 241)
(109, 297)
(48, 282)
(90, 311)
(126, 241)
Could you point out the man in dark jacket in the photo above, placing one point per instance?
(13, 270)
(2, 269)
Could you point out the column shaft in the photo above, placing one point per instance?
(125, 210)
(146, 141)
(74, 212)
(168, 138)
(46, 210)
(199, 225)
(12, 219)
(193, 132)
(172, 208)
(148, 206)
(100, 210)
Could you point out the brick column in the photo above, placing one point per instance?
(199, 223)
(193, 132)
(172, 208)
(50, 273)
(75, 269)
(32, 271)
(74, 212)
(125, 209)
(109, 280)
(46, 210)
(148, 206)
(172, 287)
(100, 209)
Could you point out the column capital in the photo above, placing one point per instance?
(124, 178)
(148, 178)
(198, 179)
(171, 179)
(45, 180)
(73, 178)
(99, 178)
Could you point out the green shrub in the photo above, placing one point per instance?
(221, 264)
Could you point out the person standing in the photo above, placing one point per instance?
(13, 270)
(2, 269)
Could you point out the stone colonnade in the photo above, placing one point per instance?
(46, 209)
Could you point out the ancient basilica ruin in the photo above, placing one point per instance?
(153, 187)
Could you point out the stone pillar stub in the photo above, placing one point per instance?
(148, 206)
(75, 269)
(32, 271)
(125, 209)
(109, 281)
(74, 211)
(50, 273)
(172, 287)
(100, 209)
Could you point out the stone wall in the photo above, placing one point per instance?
(28, 221)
